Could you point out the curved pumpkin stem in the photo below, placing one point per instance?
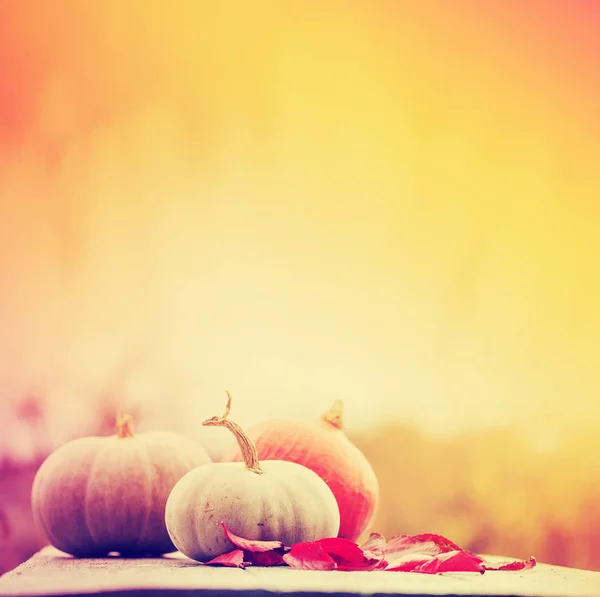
(124, 426)
(335, 415)
(249, 452)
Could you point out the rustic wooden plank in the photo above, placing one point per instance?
(51, 573)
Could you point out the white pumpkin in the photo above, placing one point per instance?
(272, 500)
(96, 495)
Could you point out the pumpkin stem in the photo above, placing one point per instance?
(249, 452)
(335, 415)
(124, 426)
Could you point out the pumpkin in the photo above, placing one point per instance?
(322, 446)
(96, 495)
(269, 500)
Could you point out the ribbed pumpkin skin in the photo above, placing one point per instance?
(97, 495)
(287, 502)
(327, 451)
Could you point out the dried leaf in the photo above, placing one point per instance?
(349, 556)
(433, 554)
(427, 544)
(374, 546)
(251, 545)
(514, 566)
(332, 554)
(309, 556)
(408, 562)
(232, 559)
(452, 561)
(426, 553)
(265, 558)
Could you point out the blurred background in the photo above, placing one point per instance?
(391, 202)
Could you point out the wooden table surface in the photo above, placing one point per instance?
(52, 573)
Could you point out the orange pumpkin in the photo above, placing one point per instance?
(322, 446)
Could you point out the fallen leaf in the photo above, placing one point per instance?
(332, 554)
(252, 545)
(514, 566)
(309, 556)
(265, 558)
(408, 562)
(433, 554)
(349, 556)
(374, 546)
(232, 559)
(427, 544)
(452, 561)
(427, 553)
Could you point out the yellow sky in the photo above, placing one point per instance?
(345, 206)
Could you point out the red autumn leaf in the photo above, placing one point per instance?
(233, 559)
(349, 556)
(421, 553)
(433, 554)
(265, 558)
(452, 561)
(332, 554)
(427, 544)
(309, 556)
(374, 549)
(374, 546)
(251, 545)
(239, 558)
(427, 553)
(408, 562)
(513, 566)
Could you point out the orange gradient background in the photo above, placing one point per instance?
(391, 202)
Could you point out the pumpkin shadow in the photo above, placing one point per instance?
(173, 560)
